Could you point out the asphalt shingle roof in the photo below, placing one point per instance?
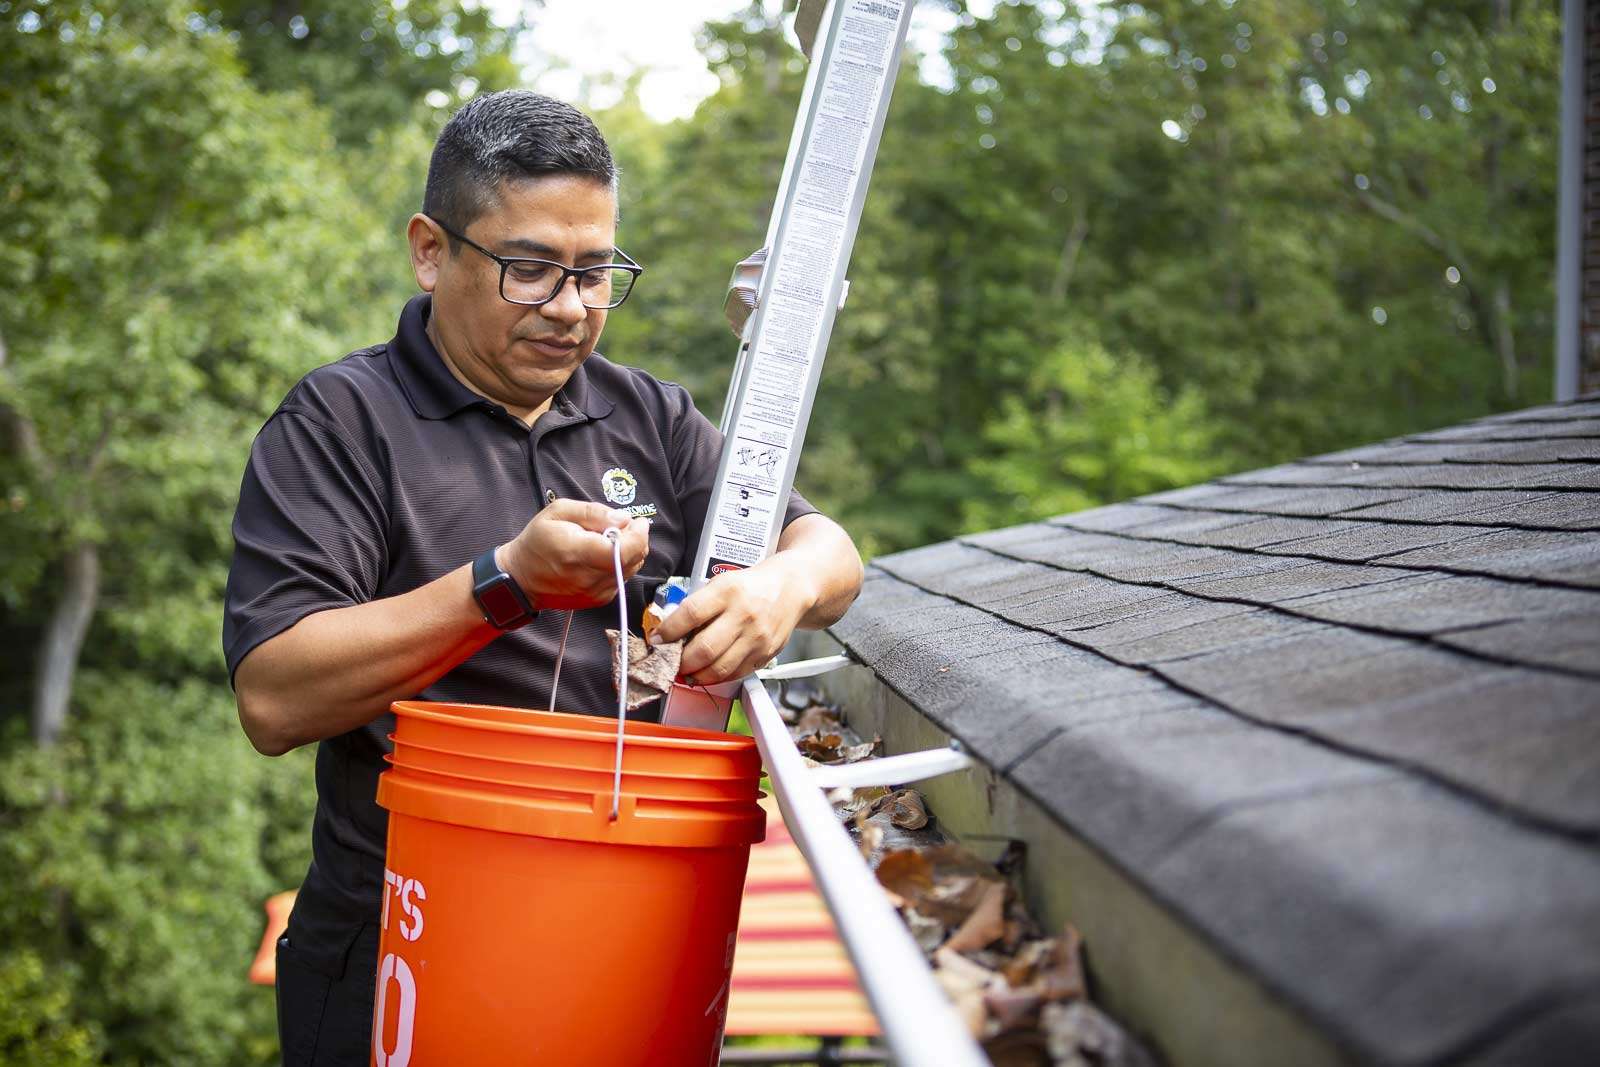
(1340, 715)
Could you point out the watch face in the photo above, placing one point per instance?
(499, 603)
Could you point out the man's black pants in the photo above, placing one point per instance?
(325, 1013)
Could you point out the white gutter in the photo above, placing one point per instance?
(919, 1024)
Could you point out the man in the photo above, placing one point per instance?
(411, 513)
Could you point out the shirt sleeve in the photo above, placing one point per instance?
(308, 533)
(696, 448)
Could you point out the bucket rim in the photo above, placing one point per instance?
(709, 740)
(626, 772)
(586, 795)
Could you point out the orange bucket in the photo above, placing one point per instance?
(520, 925)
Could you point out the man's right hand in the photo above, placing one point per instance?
(562, 559)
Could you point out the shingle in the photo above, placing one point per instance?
(1368, 540)
(1310, 501)
(1001, 689)
(1289, 474)
(1382, 451)
(1434, 603)
(1289, 578)
(1560, 511)
(1257, 532)
(1190, 496)
(1124, 558)
(1319, 669)
(1555, 476)
(1525, 739)
(1139, 785)
(1570, 640)
(1201, 627)
(1401, 452)
(1466, 507)
(1515, 431)
(1118, 516)
(1408, 921)
(1172, 525)
(1551, 555)
(1565, 1034)
(1578, 409)
(1548, 451)
(1528, 510)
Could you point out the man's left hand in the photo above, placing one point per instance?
(739, 620)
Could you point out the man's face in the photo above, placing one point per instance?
(511, 353)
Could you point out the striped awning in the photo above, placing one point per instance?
(790, 972)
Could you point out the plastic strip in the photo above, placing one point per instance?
(804, 668)
(918, 1021)
(892, 770)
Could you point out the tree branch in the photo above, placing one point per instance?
(1067, 265)
(23, 433)
(63, 642)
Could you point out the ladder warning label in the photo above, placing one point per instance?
(807, 259)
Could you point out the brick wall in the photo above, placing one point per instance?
(1589, 329)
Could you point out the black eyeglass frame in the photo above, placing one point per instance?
(505, 262)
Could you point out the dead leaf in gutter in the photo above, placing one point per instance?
(906, 872)
(927, 933)
(818, 719)
(824, 748)
(966, 983)
(905, 807)
(870, 842)
(1077, 1033)
(986, 923)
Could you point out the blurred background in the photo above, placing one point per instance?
(1110, 248)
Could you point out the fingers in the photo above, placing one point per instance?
(563, 560)
(724, 651)
(699, 608)
(587, 514)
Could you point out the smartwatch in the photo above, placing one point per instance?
(503, 603)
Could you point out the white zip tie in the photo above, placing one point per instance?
(614, 535)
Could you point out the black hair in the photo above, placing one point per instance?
(509, 135)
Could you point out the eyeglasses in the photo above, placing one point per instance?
(538, 281)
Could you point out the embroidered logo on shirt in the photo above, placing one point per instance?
(618, 486)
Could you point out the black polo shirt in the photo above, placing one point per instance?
(380, 473)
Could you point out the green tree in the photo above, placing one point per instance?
(1088, 429)
(185, 236)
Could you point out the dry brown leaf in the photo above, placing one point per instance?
(824, 748)
(1078, 1033)
(905, 871)
(965, 983)
(857, 753)
(1061, 977)
(985, 924)
(947, 959)
(1017, 1048)
(818, 718)
(1013, 1009)
(927, 933)
(651, 668)
(966, 999)
(905, 807)
(871, 841)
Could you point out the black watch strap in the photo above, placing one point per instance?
(502, 601)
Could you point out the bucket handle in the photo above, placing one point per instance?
(614, 535)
